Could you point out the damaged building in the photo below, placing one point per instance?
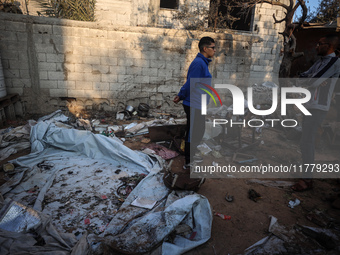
(134, 52)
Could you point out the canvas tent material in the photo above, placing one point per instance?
(65, 160)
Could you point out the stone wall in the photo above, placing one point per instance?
(55, 63)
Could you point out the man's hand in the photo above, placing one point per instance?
(176, 99)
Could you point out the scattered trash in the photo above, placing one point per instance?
(143, 110)
(216, 154)
(16, 217)
(129, 108)
(114, 128)
(193, 235)
(224, 217)
(242, 158)
(129, 183)
(145, 140)
(98, 167)
(8, 167)
(292, 203)
(86, 124)
(120, 115)
(204, 149)
(100, 128)
(229, 198)
(160, 150)
(253, 195)
(144, 203)
(298, 240)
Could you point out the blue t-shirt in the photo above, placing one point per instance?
(198, 70)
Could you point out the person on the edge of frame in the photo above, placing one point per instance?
(320, 80)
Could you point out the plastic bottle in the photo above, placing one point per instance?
(225, 217)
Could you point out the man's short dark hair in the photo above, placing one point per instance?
(204, 42)
(332, 39)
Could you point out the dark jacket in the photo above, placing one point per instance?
(198, 71)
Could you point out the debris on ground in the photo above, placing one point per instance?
(90, 186)
(297, 240)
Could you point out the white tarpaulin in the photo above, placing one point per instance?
(73, 177)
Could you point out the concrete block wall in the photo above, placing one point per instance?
(55, 63)
(142, 12)
(266, 56)
(116, 12)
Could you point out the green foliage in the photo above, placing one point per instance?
(192, 19)
(82, 10)
(327, 11)
(10, 6)
(222, 14)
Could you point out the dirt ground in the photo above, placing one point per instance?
(250, 220)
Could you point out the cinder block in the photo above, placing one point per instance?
(81, 50)
(110, 61)
(84, 85)
(19, 109)
(92, 77)
(82, 68)
(57, 40)
(42, 29)
(101, 86)
(149, 71)
(125, 78)
(142, 79)
(109, 78)
(2, 117)
(119, 70)
(99, 51)
(101, 69)
(88, 42)
(25, 74)
(165, 73)
(55, 75)
(59, 93)
(91, 60)
(66, 84)
(80, 31)
(76, 93)
(55, 58)
(134, 70)
(46, 84)
(125, 62)
(143, 63)
(160, 64)
(10, 112)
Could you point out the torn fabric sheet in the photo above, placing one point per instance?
(27, 227)
(137, 230)
(13, 140)
(74, 176)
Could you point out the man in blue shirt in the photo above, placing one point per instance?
(191, 97)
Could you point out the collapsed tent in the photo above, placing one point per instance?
(72, 179)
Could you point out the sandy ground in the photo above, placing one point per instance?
(250, 220)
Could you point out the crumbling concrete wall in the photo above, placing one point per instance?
(55, 63)
(143, 12)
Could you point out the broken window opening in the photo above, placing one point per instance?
(169, 4)
(225, 14)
